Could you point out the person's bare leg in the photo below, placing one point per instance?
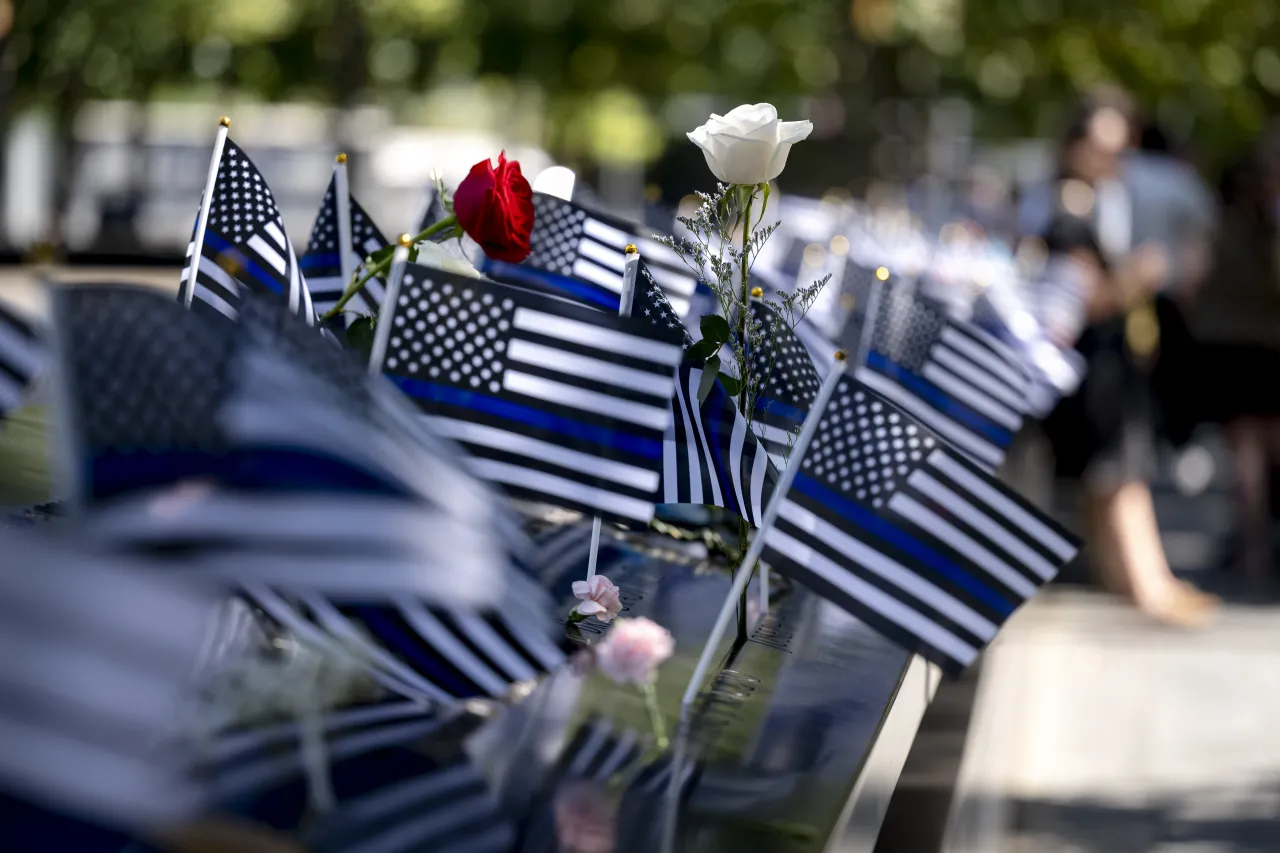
(1132, 559)
(1248, 440)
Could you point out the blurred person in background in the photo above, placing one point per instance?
(1235, 318)
(1103, 435)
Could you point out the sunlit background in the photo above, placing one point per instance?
(110, 105)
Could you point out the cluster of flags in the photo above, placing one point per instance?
(232, 463)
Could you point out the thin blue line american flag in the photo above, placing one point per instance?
(316, 470)
(22, 354)
(709, 455)
(888, 521)
(956, 378)
(555, 402)
(579, 254)
(245, 246)
(322, 262)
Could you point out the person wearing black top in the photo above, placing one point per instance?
(1103, 435)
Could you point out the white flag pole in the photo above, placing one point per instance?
(629, 269)
(743, 576)
(382, 333)
(346, 260)
(206, 202)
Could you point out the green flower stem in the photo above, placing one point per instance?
(380, 267)
(744, 367)
(655, 715)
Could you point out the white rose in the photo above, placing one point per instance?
(749, 145)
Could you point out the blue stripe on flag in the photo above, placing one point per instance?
(282, 470)
(489, 405)
(243, 263)
(938, 399)
(543, 280)
(875, 525)
(776, 408)
(714, 434)
(319, 260)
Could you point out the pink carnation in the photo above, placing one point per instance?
(633, 650)
(599, 596)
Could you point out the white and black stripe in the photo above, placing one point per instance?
(958, 379)
(322, 262)
(431, 653)
(580, 254)
(556, 403)
(710, 456)
(389, 796)
(909, 536)
(245, 248)
(91, 695)
(21, 356)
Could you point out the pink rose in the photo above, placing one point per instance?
(586, 819)
(633, 650)
(599, 597)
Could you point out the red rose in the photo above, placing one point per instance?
(495, 208)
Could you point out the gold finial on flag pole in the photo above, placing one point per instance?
(757, 292)
(225, 121)
(882, 273)
(342, 157)
(631, 249)
(840, 355)
(405, 240)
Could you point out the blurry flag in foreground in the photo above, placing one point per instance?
(21, 355)
(91, 695)
(555, 402)
(579, 254)
(908, 535)
(245, 247)
(390, 794)
(285, 470)
(322, 263)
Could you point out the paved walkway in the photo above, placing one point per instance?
(1095, 731)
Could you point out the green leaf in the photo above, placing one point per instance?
(383, 254)
(715, 328)
(731, 384)
(575, 617)
(360, 336)
(703, 350)
(413, 253)
(708, 380)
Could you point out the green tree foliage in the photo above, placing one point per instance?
(608, 74)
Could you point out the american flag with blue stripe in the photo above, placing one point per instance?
(710, 457)
(956, 378)
(322, 262)
(245, 246)
(298, 479)
(21, 356)
(579, 254)
(556, 402)
(887, 520)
